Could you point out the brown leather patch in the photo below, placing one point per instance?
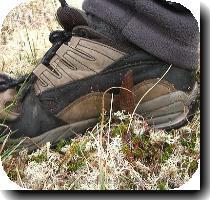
(79, 59)
(162, 88)
(86, 107)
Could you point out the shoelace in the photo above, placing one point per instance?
(68, 18)
(57, 38)
(8, 82)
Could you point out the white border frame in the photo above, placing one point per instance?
(6, 6)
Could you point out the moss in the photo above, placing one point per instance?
(193, 167)
(136, 140)
(73, 166)
(42, 157)
(162, 186)
(79, 147)
(131, 185)
(193, 141)
(138, 153)
(185, 163)
(184, 143)
(190, 142)
(61, 144)
(76, 155)
(127, 151)
(120, 130)
(145, 138)
(12, 174)
(166, 153)
(128, 183)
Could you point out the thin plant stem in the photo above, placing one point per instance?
(131, 120)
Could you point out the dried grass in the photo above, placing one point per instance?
(150, 160)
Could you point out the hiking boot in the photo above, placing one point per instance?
(64, 94)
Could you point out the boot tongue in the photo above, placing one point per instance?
(92, 34)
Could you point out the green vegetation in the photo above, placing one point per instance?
(39, 158)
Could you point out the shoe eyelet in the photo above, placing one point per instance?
(82, 33)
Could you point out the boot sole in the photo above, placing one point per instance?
(164, 112)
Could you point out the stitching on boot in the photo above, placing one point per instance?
(81, 58)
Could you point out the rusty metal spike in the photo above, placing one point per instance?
(126, 98)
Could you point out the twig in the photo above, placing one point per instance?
(6, 139)
(19, 178)
(108, 136)
(103, 107)
(102, 126)
(13, 150)
(110, 118)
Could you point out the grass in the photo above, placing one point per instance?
(150, 160)
(117, 154)
(6, 152)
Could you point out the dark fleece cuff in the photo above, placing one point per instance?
(167, 33)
